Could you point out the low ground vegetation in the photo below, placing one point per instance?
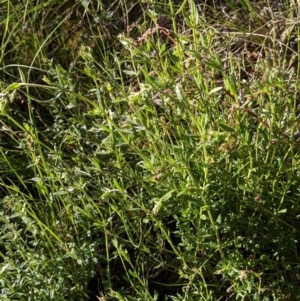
(149, 150)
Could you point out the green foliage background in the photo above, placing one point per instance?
(149, 150)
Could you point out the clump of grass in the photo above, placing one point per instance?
(150, 159)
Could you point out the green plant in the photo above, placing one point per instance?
(151, 158)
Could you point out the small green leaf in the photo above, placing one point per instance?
(226, 128)
(152, 80)
(180, 193)
(3, 103)
(179, 93)
(206, 235)
(117, 185)
(26, 126)
(115, 243)
(247, 136)
(167, 196)
(12, 86)
(129, 72)
(245, 188)
(215, 90)
(213, 64)
(124, 254)
(133, 274)
(203, 217)
(158, 205)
